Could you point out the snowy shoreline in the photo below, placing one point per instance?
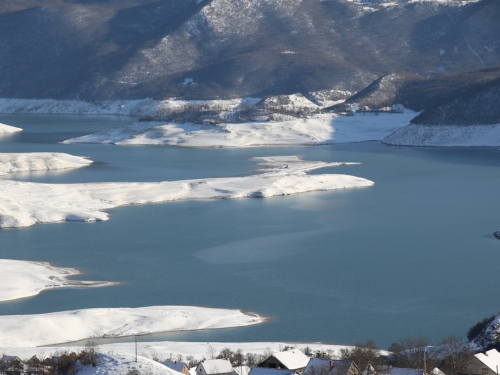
(21, 279)
(69, 326)
(7, 129)
(318, 129)
(24, 204)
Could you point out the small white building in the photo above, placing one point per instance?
(487, 363)
(215, 367)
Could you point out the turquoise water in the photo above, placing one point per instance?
(412, 255)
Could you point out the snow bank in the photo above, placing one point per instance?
(39, 161)
(316, 130)
(140, 107)
(66, 326)
(26, 203)
(446, 135)
(7, 129)
(121, 364)
(22, 278)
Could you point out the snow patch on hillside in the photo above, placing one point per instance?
(446, 135)
(315, 130)
(7, 129)
(67, 326)
(21, 278)
(39, 161)
(140, 107)
(26, 203)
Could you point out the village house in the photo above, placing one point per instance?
(215, 367)
(177, 366)
(487, 363)
(11, 365)
(291, 360)
(319, 366)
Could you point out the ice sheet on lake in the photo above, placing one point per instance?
(22, 278)
(26, 203)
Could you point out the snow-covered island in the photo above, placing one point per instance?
(7, 129)
(26, 203)
(21, 278)
(39, 161)
(67, 326)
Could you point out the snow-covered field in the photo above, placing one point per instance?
(39, 161)
(7, 129)
(139, 107)
(22, 278)
(67, 326)
(316, 130)
(445, 135)
(26, 203)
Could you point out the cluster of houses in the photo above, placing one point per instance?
(295, 362)
(36, 365)
(289, 362)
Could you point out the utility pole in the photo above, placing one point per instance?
(135, 337)
(425, 364)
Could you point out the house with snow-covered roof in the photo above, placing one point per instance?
(320, 366)
(215, 367)
(487, 363)
(290, 359)
(177, 366)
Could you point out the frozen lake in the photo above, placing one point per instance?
(413, 255)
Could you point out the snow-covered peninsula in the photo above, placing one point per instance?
(39, 161)
(7, 129)
(26, 203)
(22, 278)
(66, 326)
(315, 130)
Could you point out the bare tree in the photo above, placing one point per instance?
(409, 352)
(92, 353)
(211, 352)
(456, 354)
(363, 354)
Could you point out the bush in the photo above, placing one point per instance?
(476, 329)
